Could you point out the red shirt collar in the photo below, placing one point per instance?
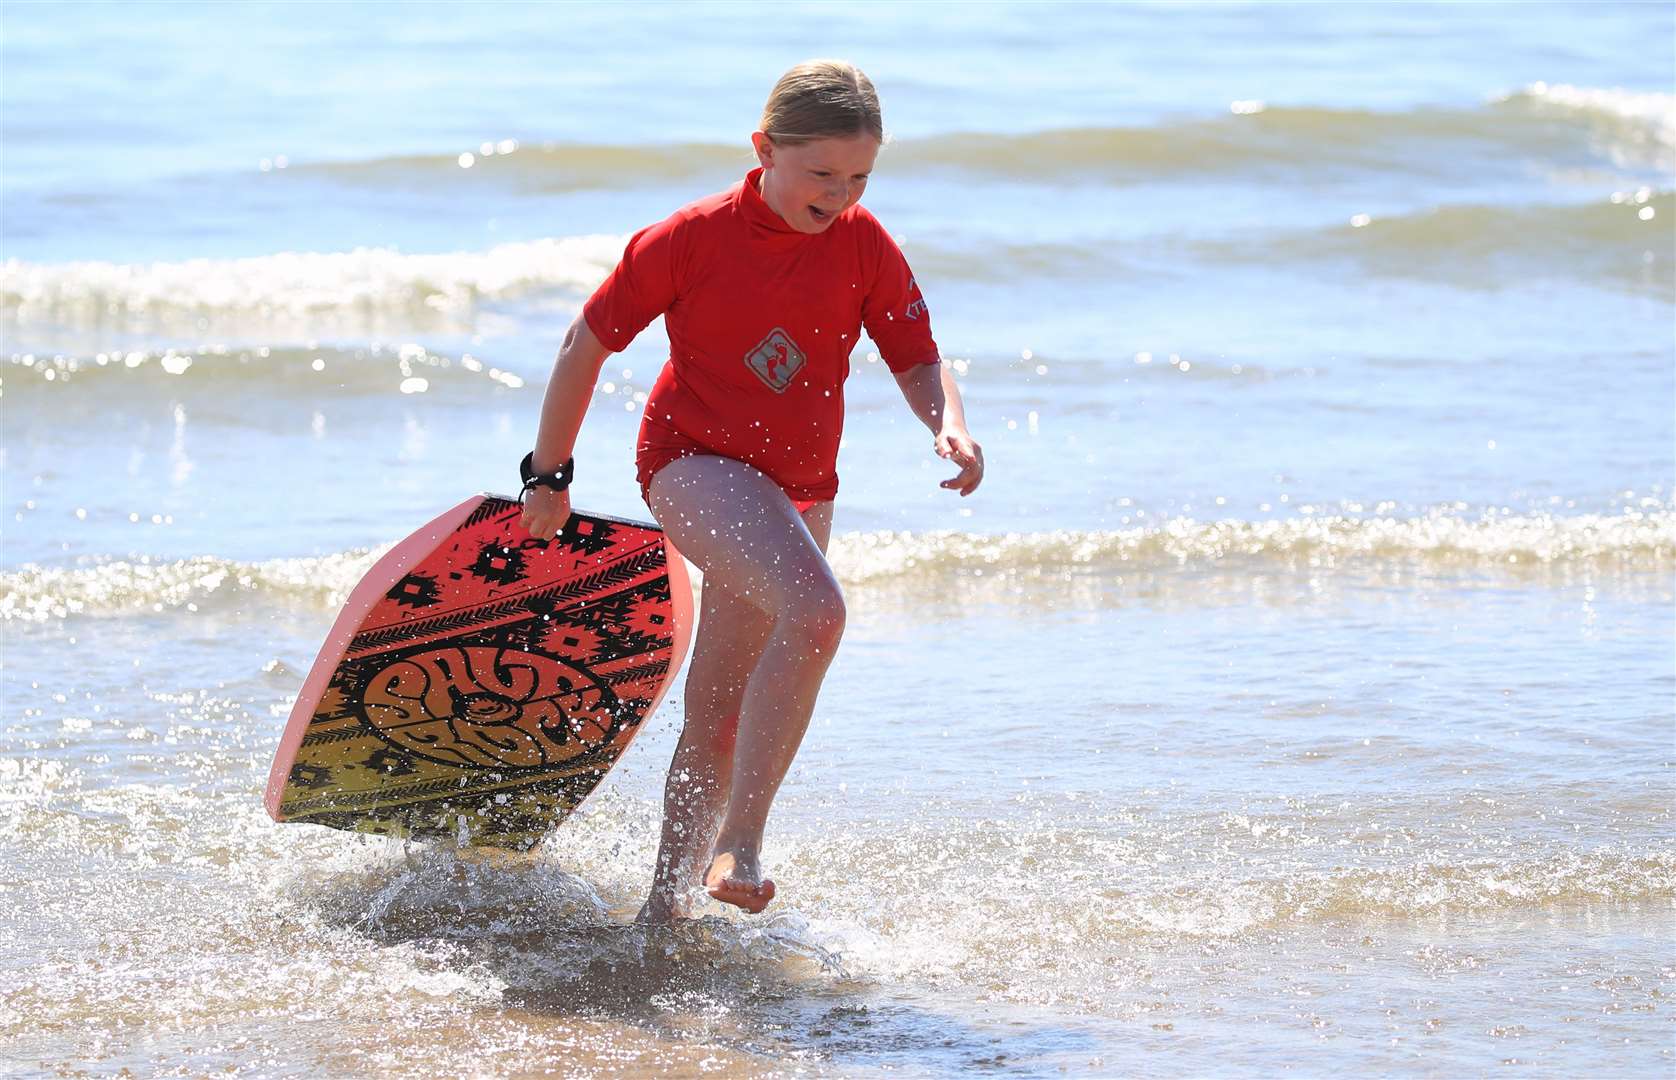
(759, 213)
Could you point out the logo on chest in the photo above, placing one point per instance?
(776, 360)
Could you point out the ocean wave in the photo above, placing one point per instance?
(367, 286)
(1623, 240)
(538, 169)
(265, 370)
(127, 587)
(1404, 892)
(1097, 891)
(1628, 221)
(385, 293)
(1437, 543)
(1441, 538)
(1632, 130)
(1107, 889)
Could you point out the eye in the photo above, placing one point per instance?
(820, 173)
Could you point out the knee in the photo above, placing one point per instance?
(818, 619)
(712, 737)
(719, 737)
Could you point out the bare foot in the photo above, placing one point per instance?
(737, 880)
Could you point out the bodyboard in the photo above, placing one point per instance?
(479, 683)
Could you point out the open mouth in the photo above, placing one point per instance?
(820, 216)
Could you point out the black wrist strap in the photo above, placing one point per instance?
(558, 480)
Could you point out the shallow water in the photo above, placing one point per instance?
(1295, 696)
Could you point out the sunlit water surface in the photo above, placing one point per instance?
(1295, 696)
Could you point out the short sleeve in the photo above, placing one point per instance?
(894, 312)
(642, 287)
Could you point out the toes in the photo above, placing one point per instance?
(751, 898)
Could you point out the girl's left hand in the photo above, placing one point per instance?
(958, 446)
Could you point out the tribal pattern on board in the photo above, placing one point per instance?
(494, 685)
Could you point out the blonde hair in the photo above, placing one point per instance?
(822, 99)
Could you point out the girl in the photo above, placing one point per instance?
(764, 289)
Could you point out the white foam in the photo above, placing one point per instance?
(1441, 538)
(34, 593)
(300, 283)
(1648, 118)
(31, 781)
(265, 370)
(1656, 110)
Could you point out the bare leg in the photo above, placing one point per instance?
(731, 634)
(772, 616)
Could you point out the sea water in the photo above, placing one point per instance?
(1295, 696)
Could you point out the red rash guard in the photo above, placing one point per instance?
(761, 321)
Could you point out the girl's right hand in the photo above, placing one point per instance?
(545, 512)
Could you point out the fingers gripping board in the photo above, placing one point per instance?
(479, 683)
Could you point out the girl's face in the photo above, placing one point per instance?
(811, 183)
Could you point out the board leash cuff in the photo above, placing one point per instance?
(558, 480)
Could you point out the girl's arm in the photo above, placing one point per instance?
(570, 389)
(935, 399)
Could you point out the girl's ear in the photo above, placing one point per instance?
(764, 146)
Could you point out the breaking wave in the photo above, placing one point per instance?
(1440, 541)
(380, 292)
(1623, 240)
(1631, 129)
(367, 289)
(269, 371)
